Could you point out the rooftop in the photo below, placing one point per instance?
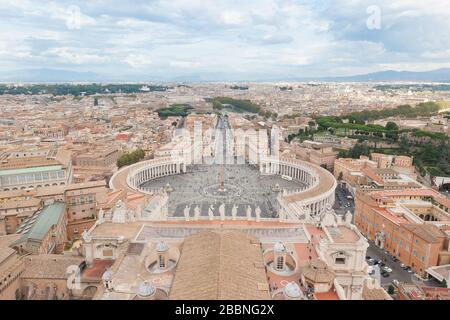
(49, 266)
(318, 272)
(38, 225)
(390, 216)
(343, 234)
(427, 232)
(227, 266)
(8, 172)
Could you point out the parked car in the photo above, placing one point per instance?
(385, 274)
(402, 265)
(394, 259)
(368, 257)
(387, 269)
(395, 282)
(370, 271)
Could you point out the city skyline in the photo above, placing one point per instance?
(225, 40)
(253, 151)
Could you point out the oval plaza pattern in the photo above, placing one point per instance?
(314, 198)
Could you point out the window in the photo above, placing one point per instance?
(162, 262)
(340, 261)
(280, 263)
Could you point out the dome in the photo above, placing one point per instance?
(319, 272)
(162, 246)
(292, 290)
(107, 276)
(146, 289)
(279, 247)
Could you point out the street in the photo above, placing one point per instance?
(397, 272)
(342, 202)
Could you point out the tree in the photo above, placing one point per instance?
(358, 150)
(391, 289)
(340, 176)
(130, 158)
(391, 126)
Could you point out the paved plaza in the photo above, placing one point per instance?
(244, 185)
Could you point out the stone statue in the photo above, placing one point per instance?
(258, 213)
(307, 214)
(348, 217)
(85, 236)
(234, 212)
(119, 213)
(101, 215)
(222, 211)
(211, 212)
(249, 213)
(186, 212)
(197, 212)
(329, 219)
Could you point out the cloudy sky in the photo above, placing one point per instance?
(224, 39)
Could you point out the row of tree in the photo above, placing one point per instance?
(76, 89)
(244, 105)
(130, 158)
(422, 109)
(175, 110)
(428, 157)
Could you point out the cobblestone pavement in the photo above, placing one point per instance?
(243, 183)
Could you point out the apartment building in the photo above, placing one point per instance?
(44, 232)
(27, 170)
(318, 153)
(380, 171)
(409, 224)
(13, 213)
(11, 269)
(83, 201)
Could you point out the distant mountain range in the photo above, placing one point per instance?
(50, 75)
(439, 75)
(57, 75)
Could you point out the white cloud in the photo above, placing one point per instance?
(232, 17)
(138, 60)
(75, 56)
(254, 37)
(184, 64)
